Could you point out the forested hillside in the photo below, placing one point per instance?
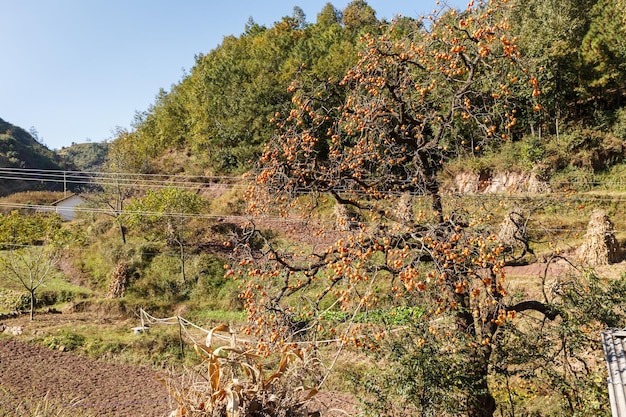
(85, 156)
(18, 149)
(221, 111)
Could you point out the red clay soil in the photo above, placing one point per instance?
(78, 383)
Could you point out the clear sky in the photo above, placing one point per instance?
(76, 69)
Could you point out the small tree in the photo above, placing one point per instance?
(166, 213)
(31, 267)
(32, 250)
(121, 180)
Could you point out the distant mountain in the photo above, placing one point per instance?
(18, 149)
(85, 156)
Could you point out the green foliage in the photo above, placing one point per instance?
(96, 265)
(619, 125)
(222, 109)
(604, 47)
(210, 276)
(526, 154)
(205, 283)
(20, 230)
(416, 379)
(564, 357)
(328, 16)
(126, 154)
(584, 148)
(532, 151)
(162, 348)
(64, 340)
(11, 300)
(579, 47)
(17, 230)
(18, 149)
(577, 155)
(231, 202)
(161, 206)
(85, 156)
(57, 290)
(551, 32)
(167, 213)
(159, 280)
(30, 267)
(219, 116)
(34, 243)
(540, 367)
(359, 16)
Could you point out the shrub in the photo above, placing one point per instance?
(64, 340)
(160, 279)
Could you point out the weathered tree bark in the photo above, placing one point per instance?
(480, 402)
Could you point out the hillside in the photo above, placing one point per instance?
(18, 149)
(224, 111)
(85, 156)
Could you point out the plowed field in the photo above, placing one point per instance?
(77, 383)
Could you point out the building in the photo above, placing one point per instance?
(614, 343)
(65, 207)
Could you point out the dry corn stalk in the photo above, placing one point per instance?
(235, 385)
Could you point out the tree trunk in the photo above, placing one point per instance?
(122, 232)
(432, 186)
(480, 402)
(437, 206)
(182, 260)
(484, 406)
(32, 304)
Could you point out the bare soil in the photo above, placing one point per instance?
(35, 373)
(83, 386)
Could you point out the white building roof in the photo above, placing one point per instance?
(614, 343)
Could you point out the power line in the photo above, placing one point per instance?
(117, 179)
(113, 178)
(60, 173)
(220, 217)
(228, 218)
(158, 181)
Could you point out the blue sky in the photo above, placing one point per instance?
(76, 69)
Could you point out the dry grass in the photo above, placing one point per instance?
(33, 197)
(600, 247)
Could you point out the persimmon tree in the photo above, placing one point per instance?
(421, 93)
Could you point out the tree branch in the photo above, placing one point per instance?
(546, 309)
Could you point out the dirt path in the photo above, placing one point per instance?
(76, 382)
